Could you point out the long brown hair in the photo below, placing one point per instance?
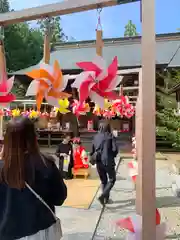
(19, 139)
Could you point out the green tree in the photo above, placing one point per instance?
(4, 6)
(23, 45)
(168, 124)
(53, 25)
(130, 29)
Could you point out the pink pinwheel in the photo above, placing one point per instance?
(129, 111)
(109, 114)
(5, 88)
(134, 225)
(78, 109)
(5, 83)
(45, 114)
(123, 107)
(7, 112)
(133, 170)
(25, 114)
(96, 81)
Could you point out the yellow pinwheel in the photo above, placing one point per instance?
(33, 114)
(63, 105)
(16, 113)
(107, 104)
(97, 111)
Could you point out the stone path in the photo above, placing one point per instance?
(124, 196)
(93, 224)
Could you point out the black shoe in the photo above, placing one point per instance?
(101, 200)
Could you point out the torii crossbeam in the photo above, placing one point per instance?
(146, 203)
(55, 9)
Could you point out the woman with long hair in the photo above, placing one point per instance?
(104, 144)
(22, 214)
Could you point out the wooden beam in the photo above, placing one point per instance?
(146, 127)
(55, 9)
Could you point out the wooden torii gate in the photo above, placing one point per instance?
(146, 100)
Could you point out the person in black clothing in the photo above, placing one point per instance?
(105, 164)
(65, 153)
(21, 213)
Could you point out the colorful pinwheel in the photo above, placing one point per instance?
(5, 88)
(78, 109)
(25, 113)
(45, 114)
(109, 114)
(5, 83)
(48, 83)
(97, 111)
(7, 112)
(34, 114)
(107, 104)
(134, 225)
(97, 82)
(16, 112)
(123, 107)
(63, 105)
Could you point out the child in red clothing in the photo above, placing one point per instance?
(79, 154)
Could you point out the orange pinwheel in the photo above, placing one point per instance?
(48, 83)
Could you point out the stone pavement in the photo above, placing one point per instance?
(124, 196)
(95, 224)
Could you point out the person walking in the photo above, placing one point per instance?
(105, 147)
(30, 186)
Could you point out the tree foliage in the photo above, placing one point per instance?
(168, 124)
(130, 29)
(23, 45)
(53, 25)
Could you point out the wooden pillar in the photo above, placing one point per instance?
(2, 72)
(47, 47)
(146, 203)
(99, 42)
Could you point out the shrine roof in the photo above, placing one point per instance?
(128, 51)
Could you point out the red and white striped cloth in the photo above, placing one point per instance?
(134, 226)
(132, 223)
(133, 170)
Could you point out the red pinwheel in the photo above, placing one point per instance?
(109, 114)
(134, 223)
(5, 88)
(123, 107)
(80, 109)
(133, 170)
(96, 81)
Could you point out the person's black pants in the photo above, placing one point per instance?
(107, 175)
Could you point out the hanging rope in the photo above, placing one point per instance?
(99, 33)
(99, 25)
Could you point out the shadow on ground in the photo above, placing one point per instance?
(174, 236)
(161, 202)
(167, 201)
